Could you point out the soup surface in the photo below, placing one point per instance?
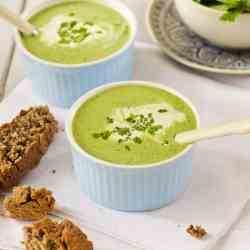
(77, 32)
(132, 125)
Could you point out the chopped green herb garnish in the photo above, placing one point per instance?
(137, 122)
(165, 142)
(122, 131)
(64, 24)
(97, 135)
(139, 127)
(106, 134)
(71, 14)
(72, 31)
(137, 140)
(153, 129)
(78, 39)
(110, 120)
(89, 23)
(132, 118)
(162, 110)
(73, 23)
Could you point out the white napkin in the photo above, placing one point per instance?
(220, 179)
(148, 232)
(6, 42)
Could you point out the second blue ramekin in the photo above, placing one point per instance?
(61, 85)
(124, 187)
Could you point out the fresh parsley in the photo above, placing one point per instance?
(134, 122)
(231, 8)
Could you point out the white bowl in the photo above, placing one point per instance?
(205, 22)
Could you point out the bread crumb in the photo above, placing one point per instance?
(27, 203)
(196, 231)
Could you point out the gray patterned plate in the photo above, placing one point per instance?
(181, 44)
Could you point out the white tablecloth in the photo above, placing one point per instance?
(221, 175)
(220, 180)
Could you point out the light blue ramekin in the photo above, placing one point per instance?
(130, 188)
(60, 84)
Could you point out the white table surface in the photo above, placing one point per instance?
(222, 168)
(7, 44)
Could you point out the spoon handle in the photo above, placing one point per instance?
(233, 128)
(17, 21)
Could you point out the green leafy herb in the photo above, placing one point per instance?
(165, 142)
(232, 8)
(122, 131)
(132, 118)
(137, 122)
(96, 135)
(162, 111)
(73, 23)
(110, 120)
(89, 23)
(153, 129)
(72, 31)
(104, 135)
(137, 140)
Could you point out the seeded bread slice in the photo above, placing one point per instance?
(23, 142)
(50, 235)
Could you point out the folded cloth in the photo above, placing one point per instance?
(220, 179)
(114, 230)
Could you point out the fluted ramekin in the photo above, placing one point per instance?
(62, 84)
(124, 187)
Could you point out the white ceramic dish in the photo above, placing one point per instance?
(62, 84)
(126, 187)
(206, 22)
(178, 42)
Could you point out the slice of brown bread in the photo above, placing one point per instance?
(27, 203)
(50, 235)
(23, 142)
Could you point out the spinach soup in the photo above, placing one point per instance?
(132, 124)
(76, 32)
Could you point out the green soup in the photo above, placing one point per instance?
(132, 125)
(77, 32)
